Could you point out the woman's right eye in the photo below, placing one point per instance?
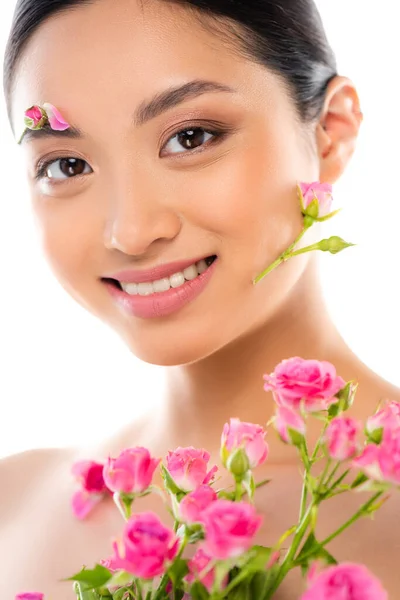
(61, 168)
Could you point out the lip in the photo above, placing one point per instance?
(155, 273)
(162, 304)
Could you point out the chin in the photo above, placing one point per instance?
(163, 349)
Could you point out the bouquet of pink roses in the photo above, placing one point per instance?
(219, 525)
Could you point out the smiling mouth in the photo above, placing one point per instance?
(176, 280)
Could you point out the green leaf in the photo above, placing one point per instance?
(313, 550)
(261, 583)
(177, 571)
(360, 479)
(94, 578)
(259, 557)
(199, 592)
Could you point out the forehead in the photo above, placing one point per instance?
(102, 57)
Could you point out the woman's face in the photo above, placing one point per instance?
(213, 175)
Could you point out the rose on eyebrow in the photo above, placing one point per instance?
(37, 117)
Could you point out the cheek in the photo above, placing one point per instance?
(248, 199)
(64, 233)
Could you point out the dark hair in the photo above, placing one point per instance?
(286, 36)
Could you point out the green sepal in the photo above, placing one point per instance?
(169, 482)
(375, 436)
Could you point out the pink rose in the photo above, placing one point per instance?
(131, 472)
(30, 596)
(247, 436)
(386, 418)
(146, 548)
(310, 384)
(347, 581)
(341, 437)
(188, 468)
(35, 117)
(89, 474)
(229, 528)
(321, 192)
(287, 420)
(198, 570)
(56, 120)
(382, 463)
(194, 504)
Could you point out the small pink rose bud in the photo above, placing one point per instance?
(198, 571)
(131, 472)
(248, 437)
(35, 117)
(147, 547)
(316, 198)
(341, 438)
(230, 528)
(89, 474)
(310, 385)
(382, 462)
(290, 425)
(194, 504)
(188, 468)
(346, 580)
(56, 120)
(30, 596)
(387, 418)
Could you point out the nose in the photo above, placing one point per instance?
(138, 221)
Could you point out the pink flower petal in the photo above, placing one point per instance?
(83, 503)
(56, 120)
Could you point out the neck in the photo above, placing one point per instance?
(202, 396)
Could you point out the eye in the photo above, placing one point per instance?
(192, 138)
(61, 168)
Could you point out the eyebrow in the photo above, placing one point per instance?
(146, 111)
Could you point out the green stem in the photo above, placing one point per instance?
(332, 475)
(324, 473)
(357, 515)
(238, 490)
(304, 491)
(287, 561)
(305, 249)
(360, 513)
(281, 258)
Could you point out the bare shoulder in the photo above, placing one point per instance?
(21, 472)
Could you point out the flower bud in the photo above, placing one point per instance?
(290, 426)
(35, 117)
(238, 463)
(333, 245)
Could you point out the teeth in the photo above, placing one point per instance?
(190, 273)
(163, 285)
(201, 266)
(145, 289)
(177, 279)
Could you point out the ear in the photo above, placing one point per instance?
(338, 128)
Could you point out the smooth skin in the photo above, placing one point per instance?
(140, 199)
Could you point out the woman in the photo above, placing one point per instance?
(232, 104)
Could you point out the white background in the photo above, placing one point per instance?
(66, 378)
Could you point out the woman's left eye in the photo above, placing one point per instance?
(191, 138)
